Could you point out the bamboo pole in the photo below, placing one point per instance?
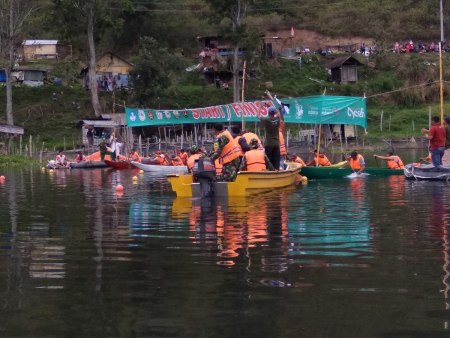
(242, 94)
(441, 83)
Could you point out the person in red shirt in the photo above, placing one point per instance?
(436, 135)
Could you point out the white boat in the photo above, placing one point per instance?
(163, 169)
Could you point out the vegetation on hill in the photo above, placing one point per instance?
(160, 38)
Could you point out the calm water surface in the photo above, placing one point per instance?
(336, 258)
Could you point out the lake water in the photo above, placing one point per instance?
(335, 258)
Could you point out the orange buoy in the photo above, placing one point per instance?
(119, 187)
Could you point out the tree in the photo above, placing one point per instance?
(91, 17)
(13, 15)
(151, 74)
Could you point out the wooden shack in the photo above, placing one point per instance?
(344, 69)
(40, 49)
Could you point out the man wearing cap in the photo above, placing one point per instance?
(272, 144)
(227, 152)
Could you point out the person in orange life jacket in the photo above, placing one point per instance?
(356, 162)
(392, 161)
(161, 158)
(176, 161)
(437, 136)
(323, 160)
(297, 159)
(195, 155)
(256, 159)
(227, 151)
(183, 156)
(80, 157)
(134, 156)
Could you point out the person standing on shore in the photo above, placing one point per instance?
(437, 137)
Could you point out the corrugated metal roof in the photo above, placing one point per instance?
(39, 42)
(338, 62)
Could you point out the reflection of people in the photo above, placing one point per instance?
(255, 159)
(436, 135)
(356, 162)
(272, 144)
(392, 161)
(321, 158)
(227, 151)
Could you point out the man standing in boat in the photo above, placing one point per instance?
(227, 151)
(436, 135)
(272, 143)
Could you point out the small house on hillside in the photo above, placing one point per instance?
(112, 72)
(344, 69)
(31, 77)
(40, 49)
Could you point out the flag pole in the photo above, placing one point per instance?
(242, 94)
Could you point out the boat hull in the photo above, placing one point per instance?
(333, 172)
(88, 165)
(247, 183)
(119, 164)
(427, 172)
(163, 169)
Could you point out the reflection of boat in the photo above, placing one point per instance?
(247, 183)
(88, 164)
(119, 164)
(332, 172)
(427, 172)
(164, 169)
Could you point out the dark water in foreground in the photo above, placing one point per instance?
(338, 258)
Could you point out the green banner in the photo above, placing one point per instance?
(314, 110)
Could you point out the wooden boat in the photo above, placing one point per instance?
(163, 169)
(415, 171)
(88, 165)
(119, 164)
(333, 172)
(247, 183)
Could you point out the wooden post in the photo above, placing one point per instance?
(242, 94)
(390, 122)
(31, 142)
(381, 121)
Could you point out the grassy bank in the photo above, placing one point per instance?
(16, 161)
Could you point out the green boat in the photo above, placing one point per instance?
(330, 172)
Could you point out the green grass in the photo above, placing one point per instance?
(16, 161)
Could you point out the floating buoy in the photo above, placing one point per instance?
(119, 188)
(2, 179)
(119, 193)
(51, 171)
(135, 178)
(304, 179)
(43, 169)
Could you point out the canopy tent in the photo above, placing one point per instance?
(321, 109)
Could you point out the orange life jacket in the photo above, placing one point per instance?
(283, 148)
(397, 163)
(135, 157)
(162, 160)
(177, 161)
(255, 160)
(355, 164)
(231, 150)
(191, 161)
(249, 136)
(184, 158)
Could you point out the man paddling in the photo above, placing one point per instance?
(392, 161)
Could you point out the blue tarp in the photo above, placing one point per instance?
(2, 75)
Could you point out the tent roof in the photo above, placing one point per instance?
(39, 42)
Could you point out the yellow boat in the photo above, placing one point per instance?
(247, 183)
